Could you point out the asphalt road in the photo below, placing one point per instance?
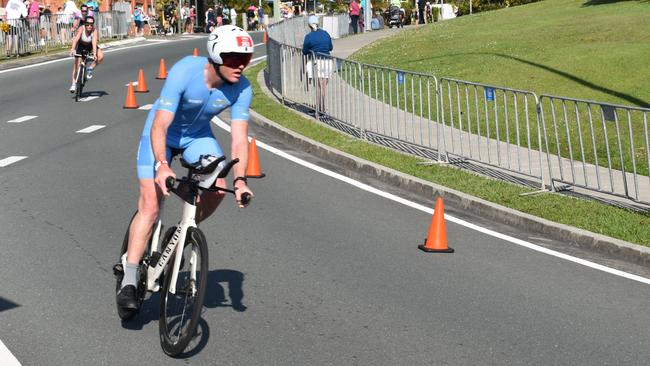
(315, 272)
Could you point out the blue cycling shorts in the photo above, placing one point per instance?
(192, 149)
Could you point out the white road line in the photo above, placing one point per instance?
(90, 129)
(69, 58)
(7, 357)
(453, 219)
(257, 59)
(22, 119)
(88, 99)
(10, 160)
(146, 107)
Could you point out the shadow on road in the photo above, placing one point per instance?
(88, 94)
(200, 340)
(215, 295)
(6, 304)
(149, 311)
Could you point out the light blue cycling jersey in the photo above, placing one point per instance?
(194, 105)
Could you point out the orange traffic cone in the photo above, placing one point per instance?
(264, 39)
(196, 52)
(130, 102)
(142, 85)
(253, 168)
(436, 241)
(162, 70)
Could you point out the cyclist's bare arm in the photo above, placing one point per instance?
(95, 41)
(75, 40)
(161, 122)
(239, 149)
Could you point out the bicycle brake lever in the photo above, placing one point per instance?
(246, 198)
(169, 182)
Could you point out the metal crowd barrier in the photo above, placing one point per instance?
(597, 146)
(492, 125)
(289, 31)
(41, 33)
(507, 133)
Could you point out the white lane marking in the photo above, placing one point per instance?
(88, 99)
(259, 44)
(160, 40)
(453, 219)
(22, 119)
(90, 129)
(7, 357)
(10, 160)
(135, 83)
(257, 59)
(69, 58)
(146, 107)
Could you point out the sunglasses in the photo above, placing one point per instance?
(90, 24)
(234, 60)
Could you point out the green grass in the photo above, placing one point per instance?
(588, 215)
(558, 47)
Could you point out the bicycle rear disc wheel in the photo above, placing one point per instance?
(180, 312)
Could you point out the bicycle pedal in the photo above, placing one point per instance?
(155, 257)
(118, 270)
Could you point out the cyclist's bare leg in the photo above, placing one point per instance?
(75, 67)
(143, 221)
(98, 58)
(209, 201)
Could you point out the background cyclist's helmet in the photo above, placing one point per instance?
(228, 39)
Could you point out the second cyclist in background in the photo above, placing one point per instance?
(85, 42)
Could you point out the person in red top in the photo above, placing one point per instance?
(354, 10)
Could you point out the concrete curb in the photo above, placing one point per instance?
(574, 236)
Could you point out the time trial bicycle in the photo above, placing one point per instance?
(86, 59)
(181, 270)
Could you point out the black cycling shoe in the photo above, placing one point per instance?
(126, 298)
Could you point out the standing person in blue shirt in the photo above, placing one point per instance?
(197, 89)
(319, 42)
(137, 18)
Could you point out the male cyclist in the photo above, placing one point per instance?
(85, 42)
(196, 90)
(80, 18)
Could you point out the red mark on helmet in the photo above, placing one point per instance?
(244, 42)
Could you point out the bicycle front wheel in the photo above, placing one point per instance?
(180, 311)
(80, 83)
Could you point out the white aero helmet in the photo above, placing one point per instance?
(228, 39)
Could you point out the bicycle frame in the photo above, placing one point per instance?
(153, 273)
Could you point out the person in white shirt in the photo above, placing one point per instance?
(15, 10)
(233, 16)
